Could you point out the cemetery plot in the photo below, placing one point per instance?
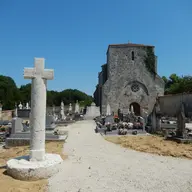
(7, 183)
(153, 144)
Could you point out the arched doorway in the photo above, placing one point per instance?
(136, 108)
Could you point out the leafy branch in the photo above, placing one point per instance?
(150, 60)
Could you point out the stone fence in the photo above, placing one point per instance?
(171, 104)
(6, 115)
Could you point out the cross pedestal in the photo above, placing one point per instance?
(39, 75)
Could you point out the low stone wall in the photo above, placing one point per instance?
(13, 142)
(6, 115)
(170, 105)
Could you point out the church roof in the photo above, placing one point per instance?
(130, 45)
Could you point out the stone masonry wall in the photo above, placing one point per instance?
(171, 104)
(123, 72)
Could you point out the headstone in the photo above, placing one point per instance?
(27, 105)
(50, 122)
(125, 111)
(39, 75)
(92, 111)
(17, 125)
(108, 110)
(181, 131)
(53, 110)
(23, 113)
(145, 117)
(77, 108)
(20, 106)
(70, 108)
(109, 119)
(132, 109)
(15, 111)
(63, 117)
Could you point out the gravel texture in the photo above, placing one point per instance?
(95, 165)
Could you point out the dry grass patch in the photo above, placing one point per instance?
(8, 184)
(153, 144)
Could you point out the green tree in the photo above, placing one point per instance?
(176, 84)
(72, 95)
(150, 60)
(25, 93)
(9, 93)
(52, 98)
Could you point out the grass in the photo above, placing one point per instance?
(153, 144)
(9, 184)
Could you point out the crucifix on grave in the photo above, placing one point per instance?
(39, 76)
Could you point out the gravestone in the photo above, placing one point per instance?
(125, 115)
(181, 131)
(132, 109)
(108, 110)
(27, 105)
(50, 122)
(145, 117)
(17, 125)
(70, 108)
(77, 108)
(109, 119)
(120, 114)
(63, 117)
(20, 106)
(92, 112)
(37, 165)
(23, 113)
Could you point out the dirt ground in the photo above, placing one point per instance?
(8, 184)
(153, 144)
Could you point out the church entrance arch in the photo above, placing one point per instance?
(136, 108)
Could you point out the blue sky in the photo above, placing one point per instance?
(73, 36)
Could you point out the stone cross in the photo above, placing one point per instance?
(39, 75)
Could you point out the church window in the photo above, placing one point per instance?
(135, 87)
(132, 55)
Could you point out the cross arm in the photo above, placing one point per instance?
(29, 73)
(48, 74)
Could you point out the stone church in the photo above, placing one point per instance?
(129, 77)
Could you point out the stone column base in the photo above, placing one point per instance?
(23, 169)
(37, 155)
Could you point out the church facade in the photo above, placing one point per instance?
(129, 78)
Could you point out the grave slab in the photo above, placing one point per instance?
(23, 138)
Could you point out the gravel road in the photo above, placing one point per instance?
(95, 165)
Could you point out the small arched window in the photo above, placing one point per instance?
(132, 55)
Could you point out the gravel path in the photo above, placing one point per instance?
(95, 165)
